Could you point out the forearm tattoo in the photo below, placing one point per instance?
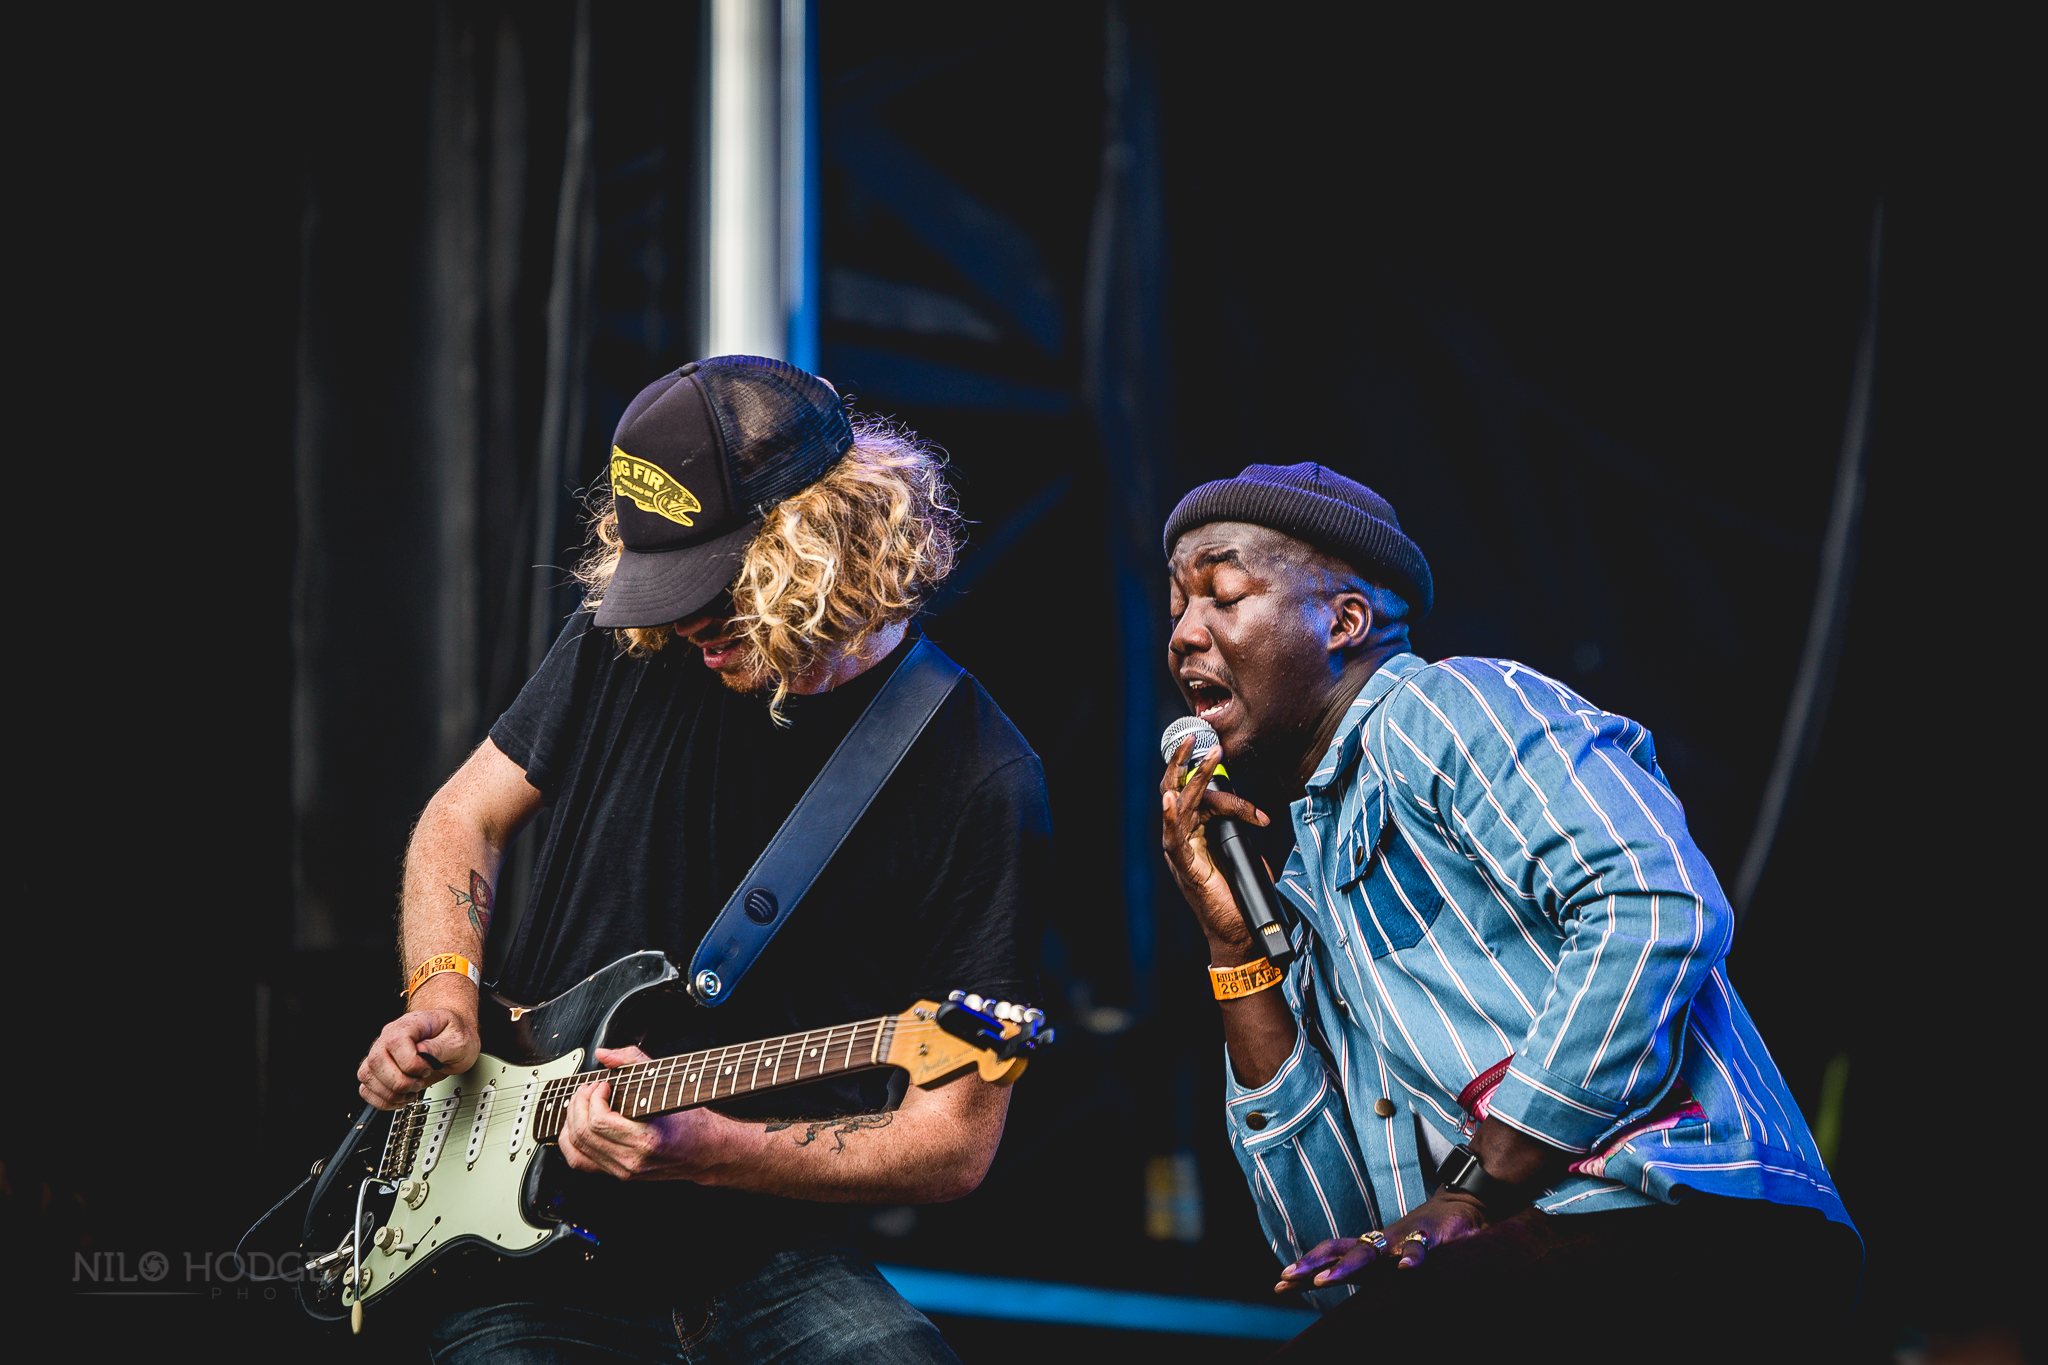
(840, 1128)
(476, 900)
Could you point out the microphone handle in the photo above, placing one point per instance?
(1264, 913)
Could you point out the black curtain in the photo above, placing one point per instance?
(498, 250)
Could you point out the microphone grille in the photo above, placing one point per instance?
(1205, 737)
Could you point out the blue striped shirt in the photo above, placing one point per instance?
(1490, 869)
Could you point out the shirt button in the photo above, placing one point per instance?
(1385, 1107)
(1358, 855)
(1255, 1120)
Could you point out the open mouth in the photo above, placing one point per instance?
(718, 650)
(1210, 700)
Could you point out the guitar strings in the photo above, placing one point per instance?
(633, 1072)
(507, 1113)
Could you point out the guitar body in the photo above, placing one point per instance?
(472, 1161)
(486, 1198)
(498, 1197)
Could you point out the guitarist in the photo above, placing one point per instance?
(750, 587)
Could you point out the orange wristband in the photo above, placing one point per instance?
(443, 962)
(1235, 983)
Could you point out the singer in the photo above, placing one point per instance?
(1505, 1102)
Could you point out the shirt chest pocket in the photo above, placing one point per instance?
(1386, 887)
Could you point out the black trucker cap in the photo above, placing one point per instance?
(697, 462)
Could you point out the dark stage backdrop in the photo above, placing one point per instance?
(346, 307)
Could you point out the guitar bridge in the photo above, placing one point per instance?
(402, 1142)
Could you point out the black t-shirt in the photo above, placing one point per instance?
(665, 786)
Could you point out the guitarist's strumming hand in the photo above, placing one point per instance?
(596, 1137)
(436, 1038)
(445, 907)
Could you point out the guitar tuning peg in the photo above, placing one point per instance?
(974, 1002)
(957, 997)
(1034, 1016)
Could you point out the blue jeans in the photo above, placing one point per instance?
(819, 1302)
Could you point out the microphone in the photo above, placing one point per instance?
(1251, 886)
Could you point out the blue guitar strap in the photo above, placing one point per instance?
(829, 810)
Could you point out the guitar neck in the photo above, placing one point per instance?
(668, 1084)
(920, 1041)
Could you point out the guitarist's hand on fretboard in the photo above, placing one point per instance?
(416, 1049)
(596, 1137)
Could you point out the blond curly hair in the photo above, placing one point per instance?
(833, 566)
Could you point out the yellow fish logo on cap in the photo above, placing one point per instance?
(651, 489)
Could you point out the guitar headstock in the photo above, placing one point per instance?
(932, 1041)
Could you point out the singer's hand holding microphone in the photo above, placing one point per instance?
(1219, 872)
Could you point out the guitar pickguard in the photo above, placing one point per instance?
(488, 1201)
(473, 1157)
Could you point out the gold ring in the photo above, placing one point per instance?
(1377, 1238)
(1421, 1237)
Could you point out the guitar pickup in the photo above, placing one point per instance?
(980, 1022)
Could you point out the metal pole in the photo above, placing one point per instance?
(745, 288)
(800, 240)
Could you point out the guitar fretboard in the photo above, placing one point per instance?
(667, 1084)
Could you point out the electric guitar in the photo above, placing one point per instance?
(468, 1162)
